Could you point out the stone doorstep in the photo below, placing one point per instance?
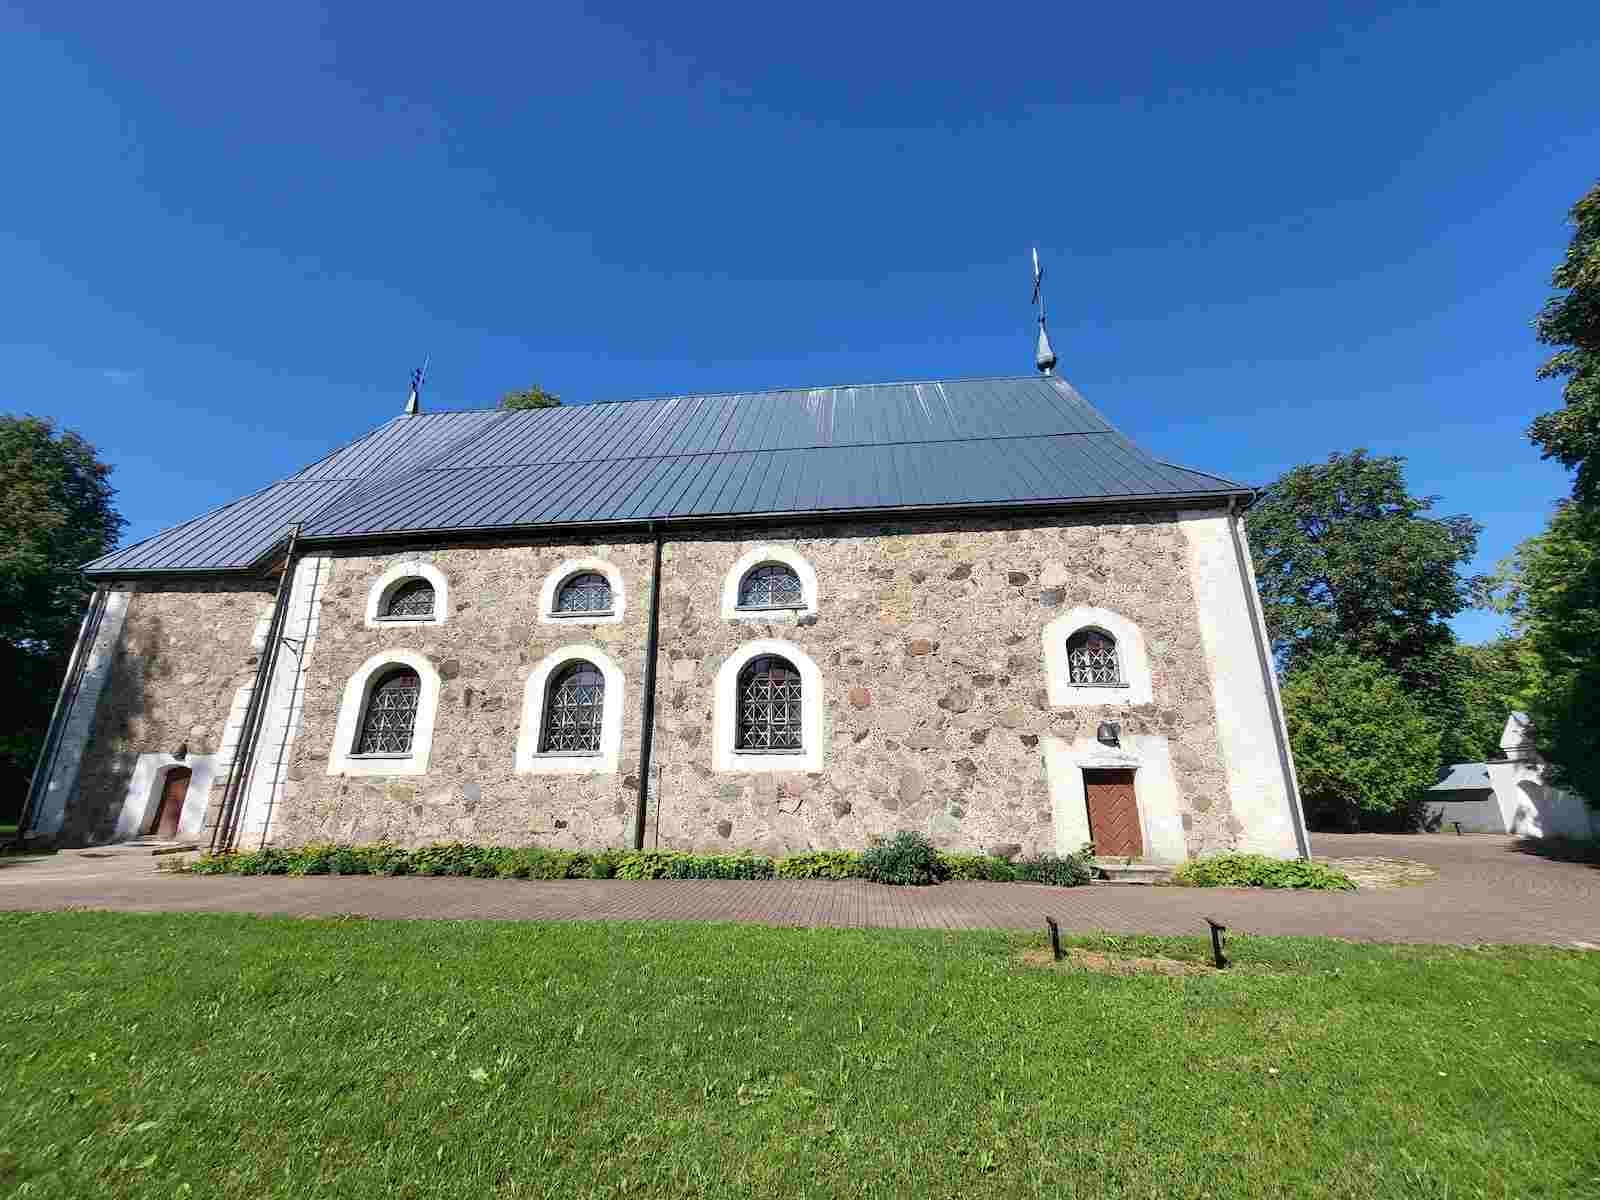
(1116, 870)
(136, 847)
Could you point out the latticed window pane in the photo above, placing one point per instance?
(391, 714)
(413, 598)
(589, 592)
(573, 709)
(1092, 660)
(769, 705)
(771, 585)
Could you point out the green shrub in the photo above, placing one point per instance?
(1258, 870)
(820, 864)
(907, 858)
(977, 866)
(1070, 870)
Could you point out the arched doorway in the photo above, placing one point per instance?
(174, 790)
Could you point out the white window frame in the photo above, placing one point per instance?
(530, 759)
(726, 756)
(754, 558)
(579, 566)
(342, 759)
(384, 586)
(1132, 659)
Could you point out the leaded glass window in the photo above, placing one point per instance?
(413, 598)
(573, 708)
(1092, 660)
(770, 585)
(391, 715)
(769, 705)
(589, 592)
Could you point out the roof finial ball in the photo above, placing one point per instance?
(1044, 357)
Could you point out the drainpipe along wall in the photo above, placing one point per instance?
(647, 734)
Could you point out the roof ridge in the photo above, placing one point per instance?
(824, 387)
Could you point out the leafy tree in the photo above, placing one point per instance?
(1572, 321)
(533, 397)
(1364, 749)
(55, 515)
(1553, 595)
(1347, 557)
(1492, 681)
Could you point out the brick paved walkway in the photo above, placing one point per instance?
(1486, 891)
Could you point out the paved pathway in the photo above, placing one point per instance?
(1486, 891)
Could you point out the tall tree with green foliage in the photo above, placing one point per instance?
(55, 514)
(1571, 321)
(529, 398)
(1365, 750)
(1345, 556)
(1493, 681)
(1553, 595)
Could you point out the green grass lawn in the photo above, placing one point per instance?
(233, 1056)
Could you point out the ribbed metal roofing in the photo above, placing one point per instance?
(873, 448)
(1465, 777)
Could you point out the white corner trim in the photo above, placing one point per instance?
(99, 647)
(564, 572)
(725, 711)
(754, 558)
(1131, 655)
(1258, 787)
(529, 760)
(393, 578)
(142, 799)
(342, 759)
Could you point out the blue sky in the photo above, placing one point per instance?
(228, 232)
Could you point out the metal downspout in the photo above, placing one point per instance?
(66, 698)
(223, 832)
(647, 734)
(1252, 603)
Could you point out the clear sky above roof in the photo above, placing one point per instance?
(1271, 233)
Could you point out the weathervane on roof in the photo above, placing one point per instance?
(1043, 356)
(414, 401)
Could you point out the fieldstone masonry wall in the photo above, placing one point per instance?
(928, 636)
(184, 650)
(484, 652)
(929, 641)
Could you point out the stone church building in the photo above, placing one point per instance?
(771, 621)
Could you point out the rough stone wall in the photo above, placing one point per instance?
(184, 651)
(484, 653)
(929, 638)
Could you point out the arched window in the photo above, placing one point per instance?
(587, 592)
(1092, 660)
(771, 585)
(391, 714)
(412, 598)
(770, 705)
(574, 710)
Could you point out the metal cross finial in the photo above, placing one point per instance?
(1044, 355)
(414, 400)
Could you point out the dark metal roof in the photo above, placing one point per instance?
(1019, 442)
(1465, 777)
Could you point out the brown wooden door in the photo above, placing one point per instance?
(1113, 813)
(173, 792)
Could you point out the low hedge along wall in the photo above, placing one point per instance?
(905, 859)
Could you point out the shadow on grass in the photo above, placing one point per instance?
(1560, 849)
